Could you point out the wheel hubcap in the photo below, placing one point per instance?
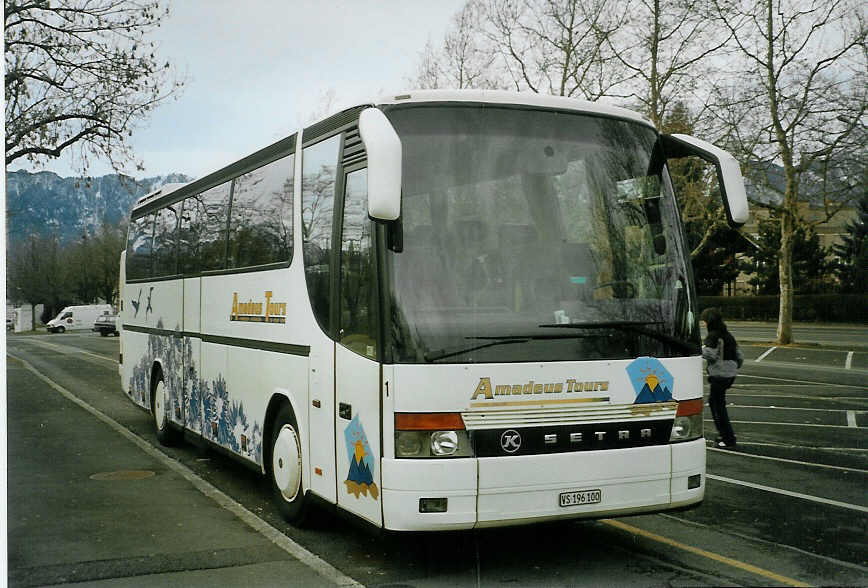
(160, 405)
(286, 462)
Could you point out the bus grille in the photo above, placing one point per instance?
(520, 418)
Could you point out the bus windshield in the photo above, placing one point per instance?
(535, 235)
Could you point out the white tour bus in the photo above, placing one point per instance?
(439, 310)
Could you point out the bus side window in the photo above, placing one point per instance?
(211, 228)
(319, 168)
(358, 298)
(139, 245)
(260, 227)
(165, 230)
(188, 236)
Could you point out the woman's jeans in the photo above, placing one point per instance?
(717, 403)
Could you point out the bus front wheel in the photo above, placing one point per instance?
(166, 435)
(286, 468)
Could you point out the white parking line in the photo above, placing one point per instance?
(826, 384)
(783, 459)
(783, 492)
(809, 447)
(764, 355)
(849, 363)
(791, 408)
(309, 559)
(851, 418)
(783, 424)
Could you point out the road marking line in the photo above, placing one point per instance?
(707, 554)
(68, 350)
(783, 459)
(851, 418)
(764, 355)
(828, 501)
(309, 559)
(750, 538)
(849, 363)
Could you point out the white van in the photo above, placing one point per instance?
(78, 318)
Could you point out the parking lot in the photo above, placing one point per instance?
(94, 498)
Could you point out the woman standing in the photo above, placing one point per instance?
(724, 358)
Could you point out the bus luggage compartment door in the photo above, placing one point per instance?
(586, 483)
(357, 434)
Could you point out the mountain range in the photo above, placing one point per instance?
(44, 203)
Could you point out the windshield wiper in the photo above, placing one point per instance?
(492, 341)
(634, 326)
(444, 353)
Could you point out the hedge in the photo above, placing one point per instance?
(846, 308)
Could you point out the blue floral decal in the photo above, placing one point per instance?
(210, 411)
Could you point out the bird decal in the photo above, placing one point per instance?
(136, 303)
(149, 308)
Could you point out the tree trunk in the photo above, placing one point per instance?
(785, 275)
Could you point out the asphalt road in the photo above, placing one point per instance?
(788, 507)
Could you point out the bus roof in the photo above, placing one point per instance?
(513, 98)
(161, 191)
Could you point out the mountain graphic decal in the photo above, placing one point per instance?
(651, 381)
(360, 478)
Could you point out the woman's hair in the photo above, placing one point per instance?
(713, 318)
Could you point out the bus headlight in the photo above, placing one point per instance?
(444, 442)
(688, 421)
(419, 435)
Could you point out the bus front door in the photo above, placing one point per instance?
(357, 369)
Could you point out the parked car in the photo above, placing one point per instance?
(77, 318)
(106, 325)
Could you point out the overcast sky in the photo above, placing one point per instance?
(258, 70)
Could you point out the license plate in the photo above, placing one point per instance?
(580, 497)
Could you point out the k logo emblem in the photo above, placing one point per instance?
(510, 441)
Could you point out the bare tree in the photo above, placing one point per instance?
(665, 45)
(465, 59)
(558, 47)
(81, 76)
(797, 103)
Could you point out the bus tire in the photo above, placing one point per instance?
(166, 434)
(285, 469)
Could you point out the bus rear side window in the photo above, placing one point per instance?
(260, 227)
(140, 240)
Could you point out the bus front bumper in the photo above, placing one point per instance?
(500, 491)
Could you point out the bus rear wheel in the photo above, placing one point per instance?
(285, 468)
(166, 435)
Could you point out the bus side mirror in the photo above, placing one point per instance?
(728, 173)
(383, 149)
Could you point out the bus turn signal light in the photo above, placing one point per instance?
(689, 407)
(428, 421)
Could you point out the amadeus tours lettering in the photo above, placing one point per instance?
(258, 311)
